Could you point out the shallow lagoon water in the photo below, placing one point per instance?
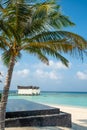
(76, 99)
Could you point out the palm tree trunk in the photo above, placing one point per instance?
(4, 98)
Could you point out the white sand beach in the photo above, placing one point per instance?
(79, 120)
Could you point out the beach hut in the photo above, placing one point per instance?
(28, 90)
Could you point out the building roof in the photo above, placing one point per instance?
(27, 87)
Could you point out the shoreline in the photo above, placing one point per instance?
(61, 105)
(78, 114)
(79, 119)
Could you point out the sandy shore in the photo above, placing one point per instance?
(79, 120)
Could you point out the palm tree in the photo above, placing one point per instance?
(0, 82)
(36, 29)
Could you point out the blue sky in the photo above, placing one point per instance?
(55, 77)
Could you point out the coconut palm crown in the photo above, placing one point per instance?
(36, 28)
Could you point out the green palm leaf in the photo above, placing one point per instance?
(6, 56)
(36, 27)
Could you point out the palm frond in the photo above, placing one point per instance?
(4, 28)
(47, 50)
(59, 39)
(74, 39)
(59, 45)
(9, 31)
(6, 56)
(8, 3)
(46, 17)
(14, 33)
(37, 52)
(59, 21)
(2, 44)
(55, 54)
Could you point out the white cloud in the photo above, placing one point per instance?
(45, 74)
(82, 75)
(53, 75)
(57, 65)
(53, 65)
(23, 73)
(49, 72)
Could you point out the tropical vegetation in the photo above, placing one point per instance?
(36, 28)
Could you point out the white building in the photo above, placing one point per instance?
(28, 90)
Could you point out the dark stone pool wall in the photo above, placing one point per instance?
(62, 119)
(34, 114)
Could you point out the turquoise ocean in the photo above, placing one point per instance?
(75, 99)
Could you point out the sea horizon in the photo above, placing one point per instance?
(76, 99)
(52, 91)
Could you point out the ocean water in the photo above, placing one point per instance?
(77, 99)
